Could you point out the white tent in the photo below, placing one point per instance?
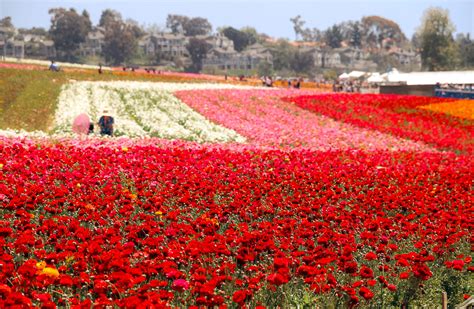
(375, 78)
(356, 74)
(344, 76)
(432, 78)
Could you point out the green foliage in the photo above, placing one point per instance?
(302, 62)
(109, 17)
(6, 22)
(282, 52)
(376, 29)
(298, 24)
(240, 38)
(68, 30)
(252, 34)
(333, 36)
(176, 23)
(436, 38)
(355, 35)
(119, 44)
(188, 26)
(197, 26)
(466, 51)
(197, 50)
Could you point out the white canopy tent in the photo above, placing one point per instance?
(356, 74)
(375, 78)
(431, 78)
(344, 76)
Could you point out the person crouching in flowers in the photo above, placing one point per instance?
(106, 124)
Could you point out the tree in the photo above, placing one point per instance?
(376, 30)
(298, 24)
(282, 52)
(197, 26)
(252, 34)
(135, 28)
(356, 35)
(188, 26)
(197, 49)
(333, 36)
(119, 43)
(438, 51)
(87, 20)
(176, 23)
(68, 29)
(302, 62)
(240, 39)
(6, 22)
(109, 17)
(466, 50)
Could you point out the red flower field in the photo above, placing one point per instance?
(157, 223)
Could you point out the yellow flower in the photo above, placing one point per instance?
(215, 222)
(1, 165)
(124, 149)
(158, 213)
(51, 272)
(78, 185)
(41, 265)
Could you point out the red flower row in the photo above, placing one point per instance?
(396, 115)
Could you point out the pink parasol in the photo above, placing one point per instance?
(81, 124)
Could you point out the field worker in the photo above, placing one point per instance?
(106, 124)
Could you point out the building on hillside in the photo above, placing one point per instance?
(220, 41)
(94, 43)
(43, 49)
(12, 48)
(406, 58)
(37, 46)
(344, 58)
(167, 44)
(219, 59)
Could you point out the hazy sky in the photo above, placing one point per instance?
(267, 16)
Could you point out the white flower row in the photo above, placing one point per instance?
(46, 63)
(139, 110)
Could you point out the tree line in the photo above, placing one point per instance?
(434, 39)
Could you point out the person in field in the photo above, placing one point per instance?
(80, 124)
(106, 124)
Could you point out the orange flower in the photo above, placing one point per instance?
(50, 272)
(458, 108)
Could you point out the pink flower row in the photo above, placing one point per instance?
(266, 120)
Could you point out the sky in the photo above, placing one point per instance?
(267, 16)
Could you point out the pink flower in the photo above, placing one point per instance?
(180, 285)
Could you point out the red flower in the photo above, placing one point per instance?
(366, 293)
(240, 296)
(366, 272)
(277, 279)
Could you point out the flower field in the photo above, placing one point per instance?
(219, 195)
